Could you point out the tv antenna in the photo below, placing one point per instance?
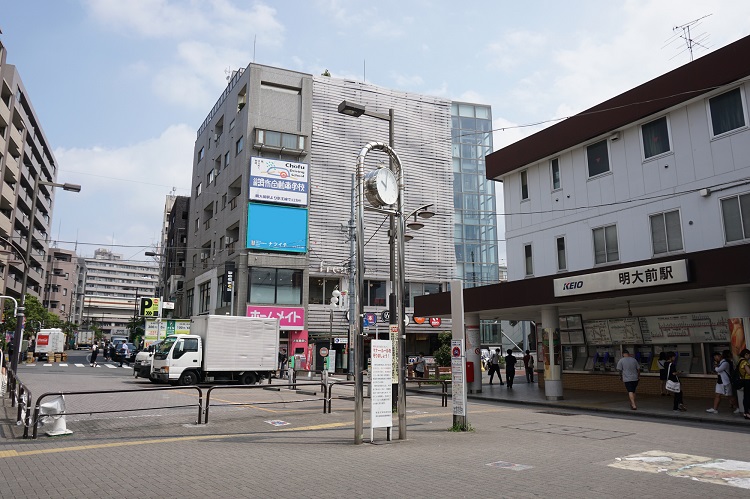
(228, 72)
(691, 40)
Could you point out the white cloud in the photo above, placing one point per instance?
(407, 81)
(513, 49)
(123, 188)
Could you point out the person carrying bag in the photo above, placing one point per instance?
(673, 384)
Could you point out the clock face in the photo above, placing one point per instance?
(381, 187)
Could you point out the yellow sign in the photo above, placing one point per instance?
(150, 307)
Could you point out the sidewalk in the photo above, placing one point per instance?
(650, 406)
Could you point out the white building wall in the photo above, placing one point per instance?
(629, 193)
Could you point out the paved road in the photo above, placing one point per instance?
(513, 451)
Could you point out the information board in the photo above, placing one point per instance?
(458, 377)
(597, 332)
(381, 378)
(625, 331)
(711, 327)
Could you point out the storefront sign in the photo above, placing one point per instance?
(160, 329)
(656, 274)
(274, 181)
(290, 318)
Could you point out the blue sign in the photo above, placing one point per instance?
(276, 228)
(369, 319)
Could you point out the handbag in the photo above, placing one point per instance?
(672, 386)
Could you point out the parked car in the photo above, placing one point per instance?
(142, 362)
(119, 352)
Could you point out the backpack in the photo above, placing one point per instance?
(734, 377)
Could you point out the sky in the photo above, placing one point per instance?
(121, 87)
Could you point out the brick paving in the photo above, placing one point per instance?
(240, 455)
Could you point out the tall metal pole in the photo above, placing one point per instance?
(352, 285)
(24, 282)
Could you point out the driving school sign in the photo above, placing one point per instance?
(274, 181)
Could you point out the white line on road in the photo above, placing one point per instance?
(63, 365)
(111, 366)
(79, 365)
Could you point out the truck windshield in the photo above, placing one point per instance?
(166, 345)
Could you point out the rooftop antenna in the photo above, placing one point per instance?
(228, 72)
(683, 31)
(255, 39)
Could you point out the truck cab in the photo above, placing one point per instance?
(178, 360)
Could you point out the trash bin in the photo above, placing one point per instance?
(52, 413)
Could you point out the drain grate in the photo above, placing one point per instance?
(555, 413)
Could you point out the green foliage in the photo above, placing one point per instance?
(325, 73)
(459, 427)
(443, 353)
(36, 317)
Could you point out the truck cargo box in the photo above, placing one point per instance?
(232, 343)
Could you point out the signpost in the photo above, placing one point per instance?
(458, 382)
(381, 379)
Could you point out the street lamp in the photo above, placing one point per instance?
(27, 261)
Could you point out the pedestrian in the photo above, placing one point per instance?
(495, 366)
(672, 372)
(630, 372)
(662, 362)
(111, 350)
(94, 353)
(744, 370)
(282, 362)
(528, 364)
(105, 350)
(723, 368)
(124, 353)
(419, 366)
(510, 368)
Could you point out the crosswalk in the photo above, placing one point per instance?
(62, 364)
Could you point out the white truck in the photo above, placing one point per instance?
(220, 347)
(49, 342)
(85, 339)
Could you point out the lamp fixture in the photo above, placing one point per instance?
(415, 225)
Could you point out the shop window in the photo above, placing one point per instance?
(554, 168)
(321, 289)
(735, 212)
(528, 259)
(376, 295)
(562, 263)
(666, 232)
(727, 112)
(655, 136)
(275, 286)
(605, 244)
(597, 158)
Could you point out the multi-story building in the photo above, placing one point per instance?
(61, 287)
(628, 227)
(25, 159)
(112, 289)
(272, 199)
(174, 254)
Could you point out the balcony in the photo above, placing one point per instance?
(233, 203)
(4, 112)
(16, 136)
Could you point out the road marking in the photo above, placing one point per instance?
(110, 366)
(63, 365)
(79, 365)
(47, 365)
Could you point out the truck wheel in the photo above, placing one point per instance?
(188, 378)
(248, 379)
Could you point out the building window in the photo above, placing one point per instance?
(528, 258)
(413, 289)
(239, 145)
(210, 177)
(198, 189)
(375, 293)
(736, 214)
(275, 286)
(554, 168)
(562, 263)
(201, 153)
(197, 224)
(226, 160)
(605, 244)
(666, 232)
(321, 289)
(204, 297)
(597, 158)
(189, 301)
(727, 112)
(279, 140)
(524, 185)
(655, 135)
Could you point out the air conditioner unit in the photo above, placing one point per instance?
(615, 136)
(216, 137)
